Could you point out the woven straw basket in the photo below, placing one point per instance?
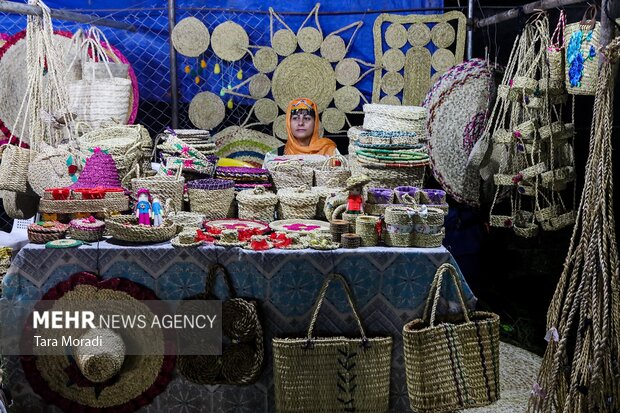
(86, 231)
(332, 176)
(257, 204)
(297, 203)
(399, 226)
(337, 374)
(212, 197)
(14, 168)
(126, 228)
(451, 366)
(38, 234)
(290, 174)
(162, 186)
(589, 75)
(366, 228)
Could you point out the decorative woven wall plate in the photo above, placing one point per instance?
(230, 41)
(419, 64)
(206, 110)
(190, 37)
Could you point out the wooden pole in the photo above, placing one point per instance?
(608, 14)
(525, 9)
(19, 8)
(174, 88)
(470, 29)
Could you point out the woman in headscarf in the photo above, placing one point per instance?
(302, 126)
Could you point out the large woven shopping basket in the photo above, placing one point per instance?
(451, 366)
(335, 374)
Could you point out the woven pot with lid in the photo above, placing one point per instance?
(257, 203)
(297, 203)
(87, 229)
(212, 197)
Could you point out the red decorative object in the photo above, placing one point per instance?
(60, 194)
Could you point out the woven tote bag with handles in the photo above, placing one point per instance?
(242, 356)
(335, 374)
(451, 366)
(581, 45)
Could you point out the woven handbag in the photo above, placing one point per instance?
(333, 176)
(581, 45)
(332, 374)
(451, 366)
(162, 186)
(242, 358)
(14, 168)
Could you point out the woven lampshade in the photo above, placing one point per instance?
(229, 41)
(307, 75)
(206, 110)
(190, 37)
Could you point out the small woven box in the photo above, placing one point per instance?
(297, 203)
(87, 229)
(257, 203)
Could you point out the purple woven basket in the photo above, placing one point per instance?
(436, 196)
(380, 195)
(405, 190)
(210, 184)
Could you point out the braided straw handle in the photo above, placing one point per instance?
(327, 165)
(214, 270)
(317, 305)
(436, 289)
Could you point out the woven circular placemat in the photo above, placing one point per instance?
(309, 39)
(266, 110)
(284, 42)
(279, 128)
(348, 72)
(333, 48)
(443, 34)
(396, 35)
(206, 110)
(190, 37)
(393, 60)
(418, 34)
(265, 60)
(306, 75)
(390, 100)
(229, 41)
(333, 120)
(457, 107)
(392, 83)
(347, 98)
(442, 60)
(259, 86)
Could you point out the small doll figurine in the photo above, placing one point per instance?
(156, 213)
(355, 201)
(143, 207)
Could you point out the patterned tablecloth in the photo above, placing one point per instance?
(389, 284)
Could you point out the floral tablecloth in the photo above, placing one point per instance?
(390, 286)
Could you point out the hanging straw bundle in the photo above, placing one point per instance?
(580, 367)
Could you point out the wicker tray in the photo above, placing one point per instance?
(300, 226)
(126, 228)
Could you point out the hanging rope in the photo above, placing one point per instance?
(580, 370)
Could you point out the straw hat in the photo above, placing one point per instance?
(456, 119)
(357, 181)
(190, 37)
(59, 380)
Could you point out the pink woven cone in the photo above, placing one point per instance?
(99, 171)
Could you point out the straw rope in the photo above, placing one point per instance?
(310, 38)
(283, 41)
(584, 315)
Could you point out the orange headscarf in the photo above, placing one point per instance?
(318, 145)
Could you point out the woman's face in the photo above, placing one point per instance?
(302, 125)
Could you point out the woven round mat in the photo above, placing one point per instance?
(259, 86)
(442, 60)
(229, 41)
(457, 110)
(305, 75)
(443, 34)
(392, 83)
(396, 35)
(266, 110)
(284, 42)
(419, 34)
(206, 110)
(390, 100)
(309, 39)
(393, 60)
(190, 37)
(348, 72)
(333, 120)
(436, 77)
(244, 144)
(265, 60)
(347, 98)
(333, 48)
(279, 127)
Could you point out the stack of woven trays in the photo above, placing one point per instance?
(244, 178)
(65, 201)
(42, 233)
(391, 147)
(198, 139)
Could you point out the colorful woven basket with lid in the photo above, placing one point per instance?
(212, 197)
(298, 202)
(42, 232)
(87, 229)
(257, 203)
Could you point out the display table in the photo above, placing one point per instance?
(390, 286)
